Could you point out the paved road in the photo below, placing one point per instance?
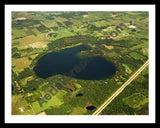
(98, 111)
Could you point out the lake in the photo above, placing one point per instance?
(64, 61)
(90, 107)
(79, 94)
(12, 88)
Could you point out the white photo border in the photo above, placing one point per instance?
(81, 118)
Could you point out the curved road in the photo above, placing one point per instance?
(99, 110)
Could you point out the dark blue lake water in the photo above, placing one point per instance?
(12, 87)
(90, 107)
(79, 94)
(70, 60)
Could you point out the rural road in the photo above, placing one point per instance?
(99, 110)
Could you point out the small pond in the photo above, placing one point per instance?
(79, 94)
(90, 107)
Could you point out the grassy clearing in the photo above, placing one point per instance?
(145, 51)
(55, 101)
(112, 54)
(35, 31)
(64, 33)
(142, 45)
(128, 31)
(38, 44)
(49, 23)
(128, 70)
(18, 33)
(139, 29)
(17, 103)
(60, 19)
(107, 46)
(26, 41)
(135, 100)
(98, 34)
(21, 63)
(33, 56)
(78, 111)
(78, 86)
(135, 55)
(100, 23)
(132, 13)
(25, 80)
(146, 41)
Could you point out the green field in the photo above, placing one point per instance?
(54, 102)
(141, 45)
(135, 100)
(135, 55)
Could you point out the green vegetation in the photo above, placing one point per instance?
(135, 55)
(34, 34)
(128, 70)
(54, 102)
(135, 100)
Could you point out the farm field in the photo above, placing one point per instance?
(84, 57)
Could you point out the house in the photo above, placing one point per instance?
(21, 109)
